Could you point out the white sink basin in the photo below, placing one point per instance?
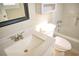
(26, 44)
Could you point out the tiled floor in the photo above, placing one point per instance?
(67, 53)
(71, 53)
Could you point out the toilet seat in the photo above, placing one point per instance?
(62, 44)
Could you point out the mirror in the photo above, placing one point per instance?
(11, 13)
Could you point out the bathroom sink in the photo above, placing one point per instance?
(23, 47)
(36, 43)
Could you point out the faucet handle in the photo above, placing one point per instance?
(20, 35)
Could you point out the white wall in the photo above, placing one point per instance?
(69, 26)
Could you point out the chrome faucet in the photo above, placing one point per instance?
(17, 37)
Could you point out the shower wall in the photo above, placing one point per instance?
(70, 20)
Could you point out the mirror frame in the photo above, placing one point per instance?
(16, 20)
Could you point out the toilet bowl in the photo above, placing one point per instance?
(61, 45)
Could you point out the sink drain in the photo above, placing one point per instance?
(26, 50)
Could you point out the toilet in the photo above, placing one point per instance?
(61, 46)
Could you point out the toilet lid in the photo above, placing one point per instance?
(62, 44)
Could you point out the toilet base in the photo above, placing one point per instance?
(58, 53)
